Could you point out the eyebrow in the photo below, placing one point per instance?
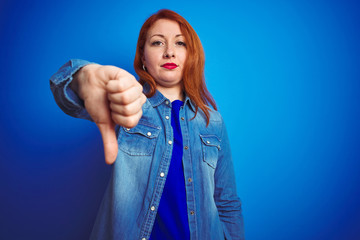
(160, 35)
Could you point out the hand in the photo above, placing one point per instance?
(111, 96)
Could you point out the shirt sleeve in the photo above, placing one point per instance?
(227, 201)
(64, 96)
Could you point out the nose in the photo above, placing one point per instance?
(169, 52)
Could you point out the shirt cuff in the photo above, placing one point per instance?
(64, 96)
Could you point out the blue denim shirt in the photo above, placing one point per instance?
(129, 207)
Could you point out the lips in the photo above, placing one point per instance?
(169, 65)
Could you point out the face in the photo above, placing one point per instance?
(165, 53)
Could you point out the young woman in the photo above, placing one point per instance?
(173, 175)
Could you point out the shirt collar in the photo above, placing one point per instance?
(158, 98)
(190, 102)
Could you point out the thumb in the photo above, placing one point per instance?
(108, 135)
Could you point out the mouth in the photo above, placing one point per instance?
(169, 65)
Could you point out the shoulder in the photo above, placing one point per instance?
(215, 116)
(215, 125)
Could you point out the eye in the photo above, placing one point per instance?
(156, 43)
(181, 43)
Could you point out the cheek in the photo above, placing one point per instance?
(183, 56)
(150, 63)
(150, 59)
(151, 54)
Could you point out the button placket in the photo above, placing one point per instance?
(160, 179)
(188, 172)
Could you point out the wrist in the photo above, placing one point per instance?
(79, 78)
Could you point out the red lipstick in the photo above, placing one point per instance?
(169, 65)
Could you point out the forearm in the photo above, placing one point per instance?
(227, 201)
(229, 207)
(230, 214)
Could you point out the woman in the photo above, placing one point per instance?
(173, 177)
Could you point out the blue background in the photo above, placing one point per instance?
(286, 78)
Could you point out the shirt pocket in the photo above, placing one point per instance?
(140, 140)
(210, 148)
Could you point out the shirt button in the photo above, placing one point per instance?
(162, 174)
(152, 208)
(143, 239)
(170, 142)
(167, 117)
(167, 102)
(192, 212)
(182, 118)
(208, 142)
(128, 129)
(189, 179)
(186, 147)
(149, 134)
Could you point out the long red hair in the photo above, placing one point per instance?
(193, 71)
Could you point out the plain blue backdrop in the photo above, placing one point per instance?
(285, 76)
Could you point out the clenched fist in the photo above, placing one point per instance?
(111, 96)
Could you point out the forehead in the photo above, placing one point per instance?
(164, 27)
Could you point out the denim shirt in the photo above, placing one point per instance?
(129, 207)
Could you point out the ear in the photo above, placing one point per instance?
(143, 60)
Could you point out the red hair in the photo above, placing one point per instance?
(193, 71)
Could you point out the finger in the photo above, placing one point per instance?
(122, 84)
(128, 109)
(111, 72)
(143, 99)
(126, 97)
(127, 121)
(109, 141)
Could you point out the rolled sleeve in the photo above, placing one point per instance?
(64, 96)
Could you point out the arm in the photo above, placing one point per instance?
(227, 201)
(107, 95)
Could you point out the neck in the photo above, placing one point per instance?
(175, 93)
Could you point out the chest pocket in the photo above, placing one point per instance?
(140, 140)
(210, 148)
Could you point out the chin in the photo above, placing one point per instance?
(169, 82)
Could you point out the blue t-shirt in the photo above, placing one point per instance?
(172, 219)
